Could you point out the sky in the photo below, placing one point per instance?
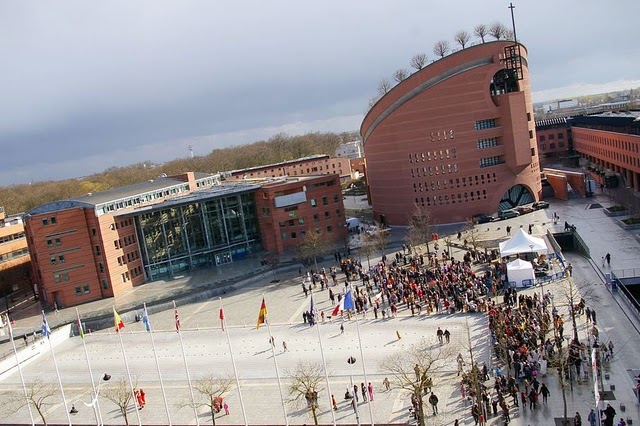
(85, 86)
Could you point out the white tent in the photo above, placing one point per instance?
(522, 243)
(521, 273)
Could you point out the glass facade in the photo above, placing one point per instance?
(197, 234)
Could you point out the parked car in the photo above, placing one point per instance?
(508, 214)
(482, 218)
(540, 205)
(525, 209)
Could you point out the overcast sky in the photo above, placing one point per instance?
(89, 85)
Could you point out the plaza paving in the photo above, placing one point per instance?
(208, 352)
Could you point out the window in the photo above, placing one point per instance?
(49, 243)
(325, 201)
(533, 152)
(53, 260)
(54, 220)
(327, 215)
(530, 134)
(105, 285)
(100, 267)
(284, 236)
(485, 124)
(58, 242)
(266, 211)
(313, 202)
(56, 278)
(491, 161)
(486, 143)
(78, 291)
(329, 228)
(560, 136)
(338, 212)
(64, 276)
(293, 235)
(542, 138)
(335, 198)
(98, 251)
(543, 146)
(552, 146)
(316, 218)
(93, 232)
(61, 259)
(551, 137)
(85, 289)
(45, 221)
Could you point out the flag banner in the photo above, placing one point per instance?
(378, 297)
(46, 331)
(117, 321)
(348, 301)
(145, 319)
(336, 310)
(80, 330)
(221, 315)
(175, 310)
(262, 315)
(312, 309)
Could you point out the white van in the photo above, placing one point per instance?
(353, 223)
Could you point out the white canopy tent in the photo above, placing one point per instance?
(521, 273)
(522, 242)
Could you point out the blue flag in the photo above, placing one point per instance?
(348, 300)
(145, 319)
(46, 331)
(313, 308)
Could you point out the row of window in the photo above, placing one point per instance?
(486, 143)
(141, 198)
(57, 259)
(12, 237)
(608, 155)
(316, 218)
(465, 197)
(485, 124)
(137, 271)
(49, 220)
(128, 239)
(80, 290)
(60, 276)
(417, 157)
(54, 242)
(491, 161)
(551, 137)
(444, 184)
(13, 254)
(431, 170)
(294, 235)
(325, 200)
(121, 224)
(543, 146)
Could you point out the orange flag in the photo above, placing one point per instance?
(262, 315)
(117, 321)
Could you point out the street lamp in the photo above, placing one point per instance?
(351, 360)
(105, 378)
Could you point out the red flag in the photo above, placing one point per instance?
(335, 310)
(176, 316)
(222, 318)
(117, 320)
(262, 315)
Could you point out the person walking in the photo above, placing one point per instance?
(341, 328)
(416, 370)
(363, 389)
(439, 334)
(284, 346)
(591, 418)
(608, 257)
(386, 383)
(433, 400)
(370, 389)
(577, 420)
(447, 336)
(226, 409)
(334, 402)
(544, 391)
(355, 393)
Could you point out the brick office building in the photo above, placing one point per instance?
(554, 139)
(457, 137)
(611, 143)
(99, 245)
(291, 207)
(307, 166)
(14, 255)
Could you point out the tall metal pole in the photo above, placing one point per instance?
(155, 356)
(351, 360)
(513, 22)
(364, 369)
(96, 407)
(126, 365)
(24, 387)
(275, 361)
(186, 365)
(47, 332)
(326, 374)
(235, 370)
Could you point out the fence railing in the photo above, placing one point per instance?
(626, 273)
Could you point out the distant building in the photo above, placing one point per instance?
(554, 139)
(14, 255)
(456, 137)
(306, 166)
(102, 244)
(351, 150)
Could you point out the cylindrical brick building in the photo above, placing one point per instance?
(457, 137)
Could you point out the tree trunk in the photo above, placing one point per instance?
(213, 416)
(421, 415)
(314, 411)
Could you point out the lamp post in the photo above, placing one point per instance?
(105, 378)
(351, 360)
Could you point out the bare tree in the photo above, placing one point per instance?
(120, 394)
(462, 38)
(305, 381)
(367, 247)
(508, 35)
(413, 372)
(212, 390)
(400, 75)
(384, 86)
(441, 48)
(312, 245)
(373, 101)
(481, 31)
(38, 395)
(419, 60)
(497, 30)
(419, 230)
(272, 260)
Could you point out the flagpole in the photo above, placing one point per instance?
(24, 386)
(96, 407)
(326, 374)
(47, 331)
(364, 367)
(155, 355)
(275, 361)
(126, 364)
(186, 366)
(233, 362)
